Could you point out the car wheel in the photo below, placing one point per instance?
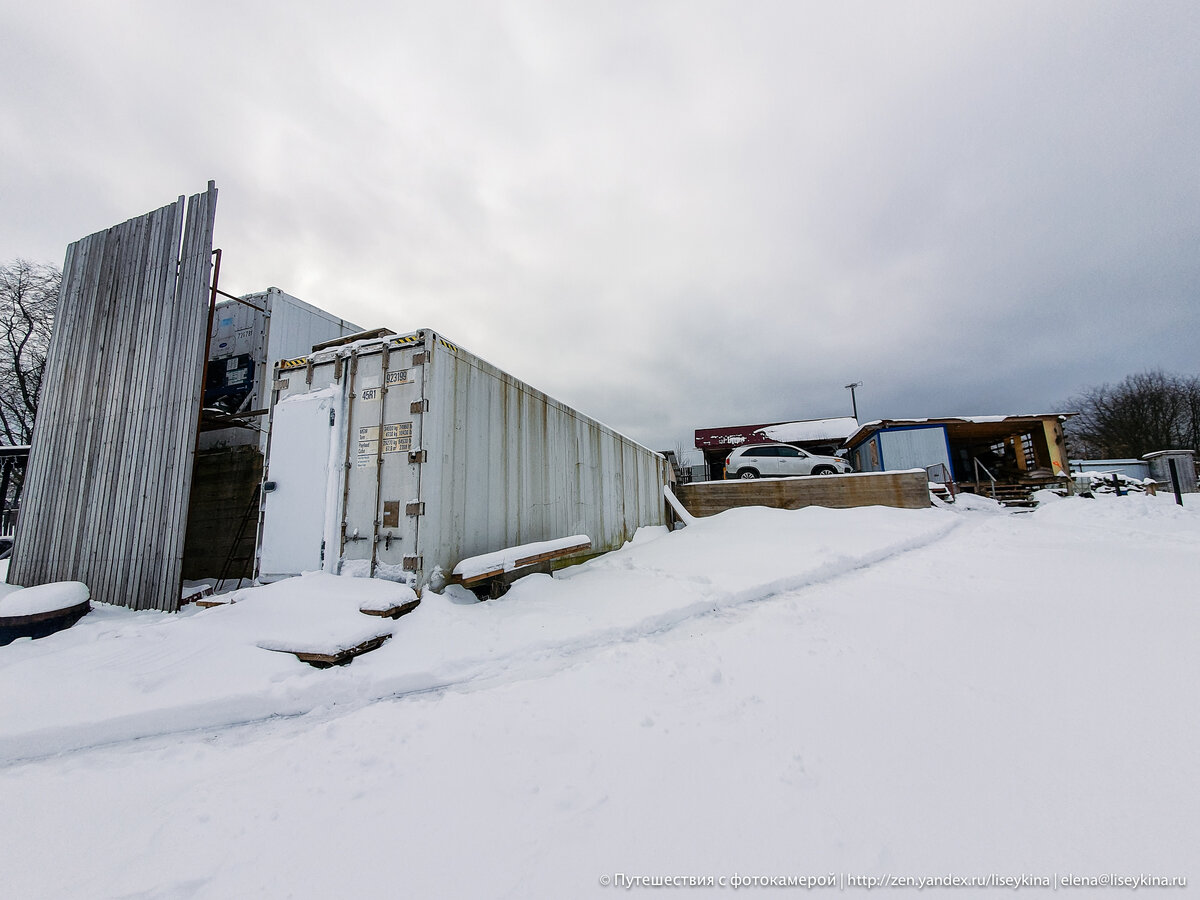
(823, 470)
(748, 473)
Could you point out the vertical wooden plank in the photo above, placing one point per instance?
(143, 305)
(107, 490)
(71, 432)
(121, 492)
(200, 255)
(154, 426)
(155, 416)
(98, 561)
(187, 389)
(119, 488)
(81, 519)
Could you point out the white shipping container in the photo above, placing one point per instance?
(247, 340)
(398, 457)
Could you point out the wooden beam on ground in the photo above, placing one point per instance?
(320, 660)
(393, 612)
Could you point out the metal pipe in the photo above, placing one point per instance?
(978, 466)
(241, 301)
(352, 383)
(853, 400)
(384, 357)
(1175, 481)
(212, 309)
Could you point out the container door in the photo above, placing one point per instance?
(382, 481)
(297, 480)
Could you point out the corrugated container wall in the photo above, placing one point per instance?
(402, 456)
(247, 340)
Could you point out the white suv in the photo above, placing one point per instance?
(755, 460)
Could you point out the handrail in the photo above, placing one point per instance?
(978, 466)
(947, 481)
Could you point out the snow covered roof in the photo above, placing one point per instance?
(803, 431)
(811, 430)
(1157, 453)
(869, 428)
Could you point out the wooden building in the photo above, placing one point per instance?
(1002, 456)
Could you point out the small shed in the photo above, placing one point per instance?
(822, 436)
(1185, 468)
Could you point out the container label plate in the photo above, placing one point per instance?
(398, 430)
(394, 432)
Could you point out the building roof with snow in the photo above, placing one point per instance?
(806, 431)
(995, 427)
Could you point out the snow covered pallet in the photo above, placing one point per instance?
(321, 659)
(390, 611)
(491, 574)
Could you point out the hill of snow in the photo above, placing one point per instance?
(956, 692)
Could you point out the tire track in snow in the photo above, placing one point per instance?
(526, 662)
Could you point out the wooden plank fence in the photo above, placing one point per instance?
(106, 494)
(906, 490)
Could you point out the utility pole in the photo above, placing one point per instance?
(853, 401)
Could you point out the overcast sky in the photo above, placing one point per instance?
(670, 215)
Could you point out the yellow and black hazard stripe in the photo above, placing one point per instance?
(449, 346)
(407, 339)
(298, 362)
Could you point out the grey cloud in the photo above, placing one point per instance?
(672, 215)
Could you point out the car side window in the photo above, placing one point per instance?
(788, 451)
(764, 451)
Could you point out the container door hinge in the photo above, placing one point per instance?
(418, 406)
(418, 359)
(412, 563)
(415, 509)
(416, 457)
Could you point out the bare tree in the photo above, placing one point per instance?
(28, 298)
(1145, 412)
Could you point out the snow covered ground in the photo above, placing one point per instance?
(873, 692)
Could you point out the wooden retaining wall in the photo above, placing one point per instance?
(110, 467)
(906, 490)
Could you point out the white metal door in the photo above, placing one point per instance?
(295, 502)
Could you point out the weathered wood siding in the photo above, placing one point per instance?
(106, 499)
(906, 490)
